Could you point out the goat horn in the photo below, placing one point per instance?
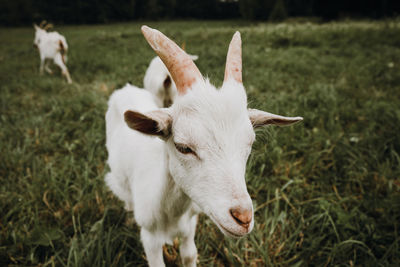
(182, 68)
(233, 68)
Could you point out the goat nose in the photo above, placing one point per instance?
(242, 216)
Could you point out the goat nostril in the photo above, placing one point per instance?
(242, 216)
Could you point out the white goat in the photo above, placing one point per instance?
(52, 46)
(158, 81)
(197, 163)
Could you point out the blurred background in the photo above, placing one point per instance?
(23, 12)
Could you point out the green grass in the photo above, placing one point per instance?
(325, 191)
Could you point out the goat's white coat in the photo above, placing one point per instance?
(140, 178)
(48, 44)
(167, 189)
(148, 178)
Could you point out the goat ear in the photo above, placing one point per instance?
(157, 123)
(36, 26)
(261, 118)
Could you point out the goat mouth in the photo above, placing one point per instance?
(226, 231)
(230, 232)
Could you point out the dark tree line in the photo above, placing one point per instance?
(325, 9)
(22, 12)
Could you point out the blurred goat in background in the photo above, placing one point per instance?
(158, 81)
(51, 46)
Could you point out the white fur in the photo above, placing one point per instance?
(48, 44)
(147, 173)
(154, 79)
(166, 188)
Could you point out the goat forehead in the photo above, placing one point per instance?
(206, 100)
(212, 114)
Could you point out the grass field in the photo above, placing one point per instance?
(326, 191)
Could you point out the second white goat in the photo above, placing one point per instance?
(51, 46)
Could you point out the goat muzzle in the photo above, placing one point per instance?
(242, 216)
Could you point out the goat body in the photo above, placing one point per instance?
(149, 180)
(51, 46)
(140, 176)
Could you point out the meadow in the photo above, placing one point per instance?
(326, 191)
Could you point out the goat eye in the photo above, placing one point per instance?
(184, 149)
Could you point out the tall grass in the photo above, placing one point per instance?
(326, 192)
